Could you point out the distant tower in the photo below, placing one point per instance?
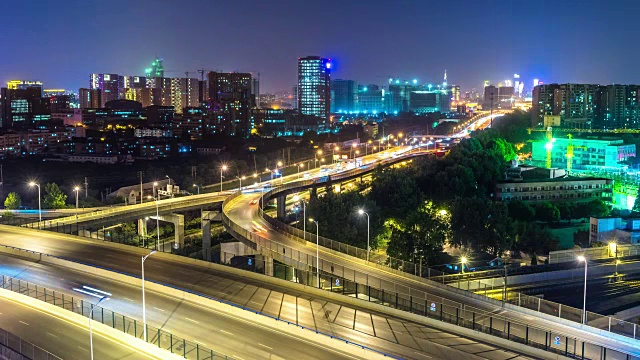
(156, 69)
(445, 76)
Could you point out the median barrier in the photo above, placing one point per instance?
(83, 322)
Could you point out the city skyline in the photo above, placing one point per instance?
(385, 42)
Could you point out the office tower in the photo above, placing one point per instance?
(23, 104)
(314, 86)
(255, 92)
(344, 96)
(231, 101)
(156, 69)
(400, 94)
(60, 103)
(455, 92)
(23, 85)
(110, 86)
(370, 99)
(90, 98)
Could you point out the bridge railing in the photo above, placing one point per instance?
(16, 348)
(155, 336)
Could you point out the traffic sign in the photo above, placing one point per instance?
(250, 261)
(432, 307)
(337, 282)
(556, 340)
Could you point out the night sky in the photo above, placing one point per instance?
(62, 42)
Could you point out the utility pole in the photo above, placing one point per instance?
(86, 188)
(1, 177)
(141, 195)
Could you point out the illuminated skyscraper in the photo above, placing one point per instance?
(110, 86)
(232, 100)
(345, 95)
(314, 86)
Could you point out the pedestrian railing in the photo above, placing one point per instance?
(155, 336)
(16, 348)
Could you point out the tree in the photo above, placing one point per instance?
(520, 210)
(54, 198)
(547, 212)
(423, 234)
(532, 239)
(480, 224)
(13, 201)
(598, 208)
(396, 191)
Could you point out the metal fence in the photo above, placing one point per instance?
(16, 348)
(155, 336)
(596, 253)
(438, 308)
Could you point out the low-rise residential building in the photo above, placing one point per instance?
(95, 159)
(614, 230)
(573, 189)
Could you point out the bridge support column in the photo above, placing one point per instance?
(142, 227)
(178, 223)
(313, 192)
(281, 204)
(207, 218)
(336, 187)
(266, 263)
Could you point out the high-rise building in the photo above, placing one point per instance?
(231, 100)
(314, 86)
(110, 86)
(370, 99)
(255, 92)
(23, 104)
(90, 98)
(22, 85)
(344, 96)
(156, 69)
(134, 82)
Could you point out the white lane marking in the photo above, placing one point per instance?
(20, 321)
(126, 298)
(226, 332)
(268, 347)
(427, 356)
(81, 348)
(197, 322)
(158, 309)
(50, 334)
(237, 357)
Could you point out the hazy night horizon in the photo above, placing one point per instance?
(62, 43)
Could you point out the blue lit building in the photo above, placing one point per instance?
(344, 96)
(314, 86)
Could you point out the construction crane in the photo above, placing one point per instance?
(570, 148)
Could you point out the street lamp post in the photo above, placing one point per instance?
(333, 154)
(222, 169)
(102, 296)
(581, 258)
(144, 309)
(77, 190)
(241, 178)
(155, 183)
(317, 250)
(361, 212)
(299, 166)
(198, 187)
(157, 222)
(278, 165)
(32, 184)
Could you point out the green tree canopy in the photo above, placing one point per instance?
(547, 212)
(520, 210)
(395, 191)
(54, 198)
(13, 201)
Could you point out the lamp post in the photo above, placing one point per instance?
(144, 309)
(32, 184)
(157, 222)
(279, 165)
(155, 183)
(351, 150)
(333, 154)
(301, 165)
(304, 216)
(463, 261)
(617, 263)
(77, 190)
(223, 168)
(366, 147)
(584, 298)
(362, 212)
(317, 249)
(241, 178)
(102, 296)
(198, 187)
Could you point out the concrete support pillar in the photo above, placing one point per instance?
(266, 263)
(336, 187)
(281, 204)
(314, 192)
(207, 218)
(142, 227)
(178, 223)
